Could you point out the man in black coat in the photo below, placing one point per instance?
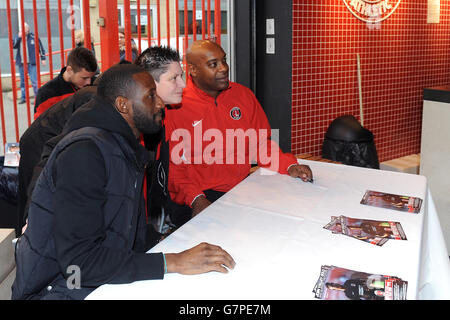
(79, 72)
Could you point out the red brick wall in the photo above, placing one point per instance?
(399, 57)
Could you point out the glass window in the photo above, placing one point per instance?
(145, 26)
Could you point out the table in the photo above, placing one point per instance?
(272, 225)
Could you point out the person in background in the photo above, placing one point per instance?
(211, 102)
(79, 72)
(122, 48)
(79, 40)
(31, 59)
(87, 212)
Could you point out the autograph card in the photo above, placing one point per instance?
(336, 283)
(392, 201)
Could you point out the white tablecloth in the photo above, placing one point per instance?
(272, 225)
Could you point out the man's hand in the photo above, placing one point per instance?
(202, 258)
(44, 62)
(199, 205)
(301, 171)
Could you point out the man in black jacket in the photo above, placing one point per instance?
(78, 73)
(87, 210)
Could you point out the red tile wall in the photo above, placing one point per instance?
(399, 58)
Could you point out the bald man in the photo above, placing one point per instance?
(205, 161)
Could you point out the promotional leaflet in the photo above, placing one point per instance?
(12, 155)
(336, 283)
(392, 201)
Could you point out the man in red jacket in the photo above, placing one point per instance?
(205, 160)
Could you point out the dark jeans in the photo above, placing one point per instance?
(33, 78)
(180, 214)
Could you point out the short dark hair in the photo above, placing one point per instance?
(100, 75)
(156, 60)
(118, 81)
(80, 58)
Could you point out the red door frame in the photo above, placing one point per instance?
(109, 33)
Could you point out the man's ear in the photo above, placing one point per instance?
(122, 104)
(192, 69)
(70, 72)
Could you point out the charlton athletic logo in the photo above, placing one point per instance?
(235, 113)
(372, 11)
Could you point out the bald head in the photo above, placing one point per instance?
(199, 48)
(208, 66)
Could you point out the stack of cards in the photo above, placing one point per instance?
(371, 231)
(336, 283)
(12, 155)
(392, 201)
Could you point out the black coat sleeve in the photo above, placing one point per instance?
(41, 50)
(79, 229)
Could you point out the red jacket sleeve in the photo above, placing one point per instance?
(181, 181)
(269, 154)
(41, 108)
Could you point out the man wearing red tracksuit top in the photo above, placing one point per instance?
(212, 135)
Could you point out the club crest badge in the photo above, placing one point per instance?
(162, 178)
(372, 11)
(235, 113)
